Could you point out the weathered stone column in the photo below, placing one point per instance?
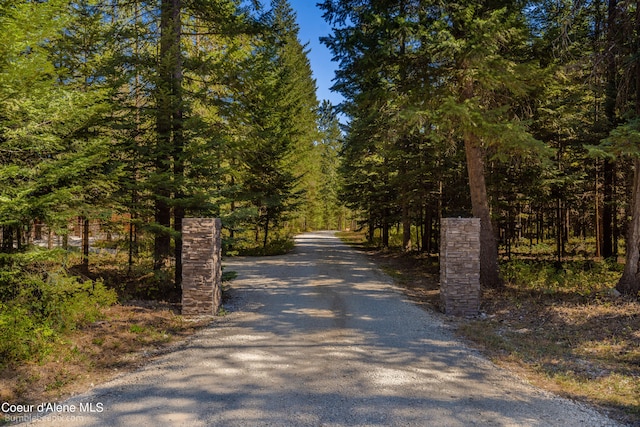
(201, 266)
(460, 266)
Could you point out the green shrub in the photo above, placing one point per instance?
(278, 246)
(45, 306)
(20, 337)
(66, 302)
(581, 278)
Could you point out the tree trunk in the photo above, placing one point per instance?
(611, 94)
(406, 225)
(608, 209)
(598, 213)
(266, 232)
(168, 123)
(629, 283)
(131, 237)
(385, 230)
(85, 246)
(559, 229)
(489, 271)
(426, 235)
(232, 231)
(614, 210)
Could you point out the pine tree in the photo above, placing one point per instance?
(328, 150)
(624, 140)
(81, 56)
(377, 50)
(169, 133)
(27, 94)
(59, 158)
(170, 100)
(418, 72)
(483, 47)
(279, 104)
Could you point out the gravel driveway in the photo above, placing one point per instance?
(319, 337)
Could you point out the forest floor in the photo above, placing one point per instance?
(582, 345)
(129, 336)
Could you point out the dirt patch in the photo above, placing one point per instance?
(129, 336)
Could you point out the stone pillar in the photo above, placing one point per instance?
(201, 266)
(460, 266)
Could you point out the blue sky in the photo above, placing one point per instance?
(312, 26)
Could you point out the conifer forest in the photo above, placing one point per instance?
(119, 118)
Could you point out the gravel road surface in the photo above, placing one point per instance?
(319, 337)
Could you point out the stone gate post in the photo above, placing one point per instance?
(460, 266)
(201, 266)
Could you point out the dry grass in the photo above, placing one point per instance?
(576, 340)
(586, 348)
(129, 336)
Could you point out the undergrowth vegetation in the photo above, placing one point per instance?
(40, 301)
(278, 246)
(581, 278)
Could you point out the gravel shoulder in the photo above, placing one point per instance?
(320, 337)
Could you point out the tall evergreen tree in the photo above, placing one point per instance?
(50, 124)
(168, 118)
(377, 44)
(328, 150)
(170, 138)
(280, 106)
(418, 71)
(81, 56)
(624, 140)
(481, 48)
